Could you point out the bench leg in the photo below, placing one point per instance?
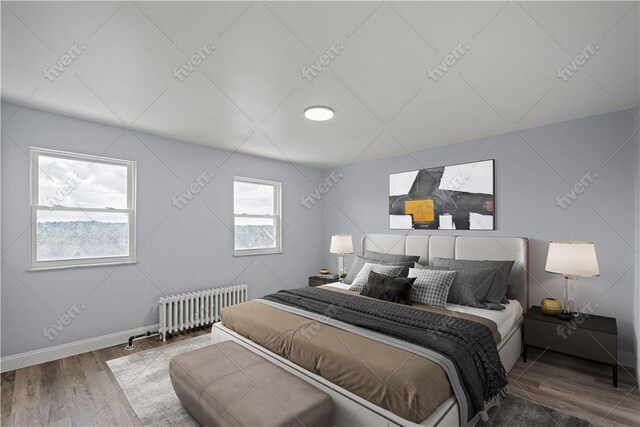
(615, 375)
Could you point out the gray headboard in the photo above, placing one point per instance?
(460, 247)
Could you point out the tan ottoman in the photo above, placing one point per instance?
(225, 384)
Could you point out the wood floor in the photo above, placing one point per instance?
(82, 391)
(75, 391)
(577, 387)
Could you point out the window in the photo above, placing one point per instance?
(82, 210)
(256, 208)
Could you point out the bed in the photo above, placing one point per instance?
(436, 406)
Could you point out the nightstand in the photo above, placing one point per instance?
(319, 281)
(587, 336)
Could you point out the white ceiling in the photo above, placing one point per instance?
(250, 93)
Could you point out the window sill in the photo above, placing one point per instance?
(250, 252)
(66, 267)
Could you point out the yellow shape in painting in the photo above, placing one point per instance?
(421, 210)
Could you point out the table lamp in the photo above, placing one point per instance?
(341, 244)
(572, 259)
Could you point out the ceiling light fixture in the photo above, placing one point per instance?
(318, 113)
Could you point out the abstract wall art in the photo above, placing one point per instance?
(456, 197)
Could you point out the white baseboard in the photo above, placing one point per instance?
(48, 354)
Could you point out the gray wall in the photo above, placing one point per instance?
(526, 191)
(191, 250)
(637, 244)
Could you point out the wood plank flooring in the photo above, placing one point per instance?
(577, 387)
(81, 390)
(74, 391)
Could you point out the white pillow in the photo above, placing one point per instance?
(362, 277)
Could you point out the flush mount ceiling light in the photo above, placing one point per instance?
(318, 113)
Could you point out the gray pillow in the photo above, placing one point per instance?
(493, 306)
(378, 256)
(359, 262)
(469, 287)
(498, 289)
(363, 275)
(431, 287)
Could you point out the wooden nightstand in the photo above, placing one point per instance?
(319, 281)
(587, 336)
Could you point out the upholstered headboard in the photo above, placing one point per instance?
(460, 247)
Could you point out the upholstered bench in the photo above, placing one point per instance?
(225, 384)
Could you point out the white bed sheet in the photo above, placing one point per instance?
(504, 319)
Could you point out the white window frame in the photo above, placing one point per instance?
(35, 207)
(277, 217)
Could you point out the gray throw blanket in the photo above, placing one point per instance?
(469, 345)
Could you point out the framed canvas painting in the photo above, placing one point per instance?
(455, 197)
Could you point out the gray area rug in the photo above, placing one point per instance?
(144, 379)
(516, 411)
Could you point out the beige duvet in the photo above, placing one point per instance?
(406, 384)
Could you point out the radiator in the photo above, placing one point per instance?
(185, 311)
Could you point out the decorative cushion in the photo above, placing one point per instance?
(498, 289)
(359, 262)
(394, 289)
(363, 275)
(431, 287)
(469, 286)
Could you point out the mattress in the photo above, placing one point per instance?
(504, 319)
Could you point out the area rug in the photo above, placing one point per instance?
(144, 379)
(516, 411)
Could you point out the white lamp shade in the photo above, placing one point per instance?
(341, 244)
(572, 258)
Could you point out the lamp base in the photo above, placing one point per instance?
(340, 268)
(565, 315)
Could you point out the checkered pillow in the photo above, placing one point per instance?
(363, 275)
(431, 286)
